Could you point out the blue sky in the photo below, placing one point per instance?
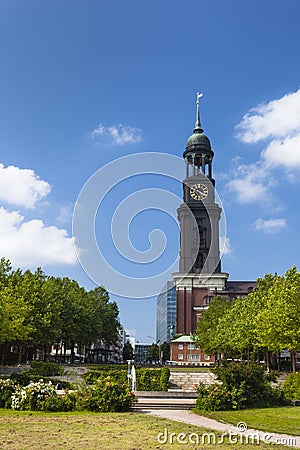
(84, 83)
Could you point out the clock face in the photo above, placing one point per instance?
(199, 191)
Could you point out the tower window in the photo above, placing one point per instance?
(207, 299)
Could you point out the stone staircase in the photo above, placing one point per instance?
(180, 395)
(184, 381)
(164, 400)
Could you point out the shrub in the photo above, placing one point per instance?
(23, 379)
(239, 386)
(7, 387)
(254, 382)
(45, 369)
(119, 376)
(26, 377)
(291, 386)
(106, 395)
(213, 397)
(57, 403)
(32, 396)
(146, 379)
(152, 379)
(164, 378)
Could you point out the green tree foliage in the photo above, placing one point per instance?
(207, 335)
(268, 319)
(37, 309)
(127, 351)
(292, 386)
(15, 311)
(278, 323)
(153, 352)
(236, 332)
(165, 350)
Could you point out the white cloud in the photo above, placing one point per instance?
(117, 134)
(65, 213)
(251, 183)
(278, 122)
(32, 243)
(276, 119)
(21, 187)
(270, 226)
(284, 153)
(225, 245)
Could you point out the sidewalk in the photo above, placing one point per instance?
(201, 421)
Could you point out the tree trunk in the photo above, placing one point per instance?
(65, 351)
(45, 352)
(72, 352)
(56, 352)
(268, 360)
(20, 354)
(293, 360)
(2, 353)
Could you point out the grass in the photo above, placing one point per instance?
(24, 430)
(274, 420)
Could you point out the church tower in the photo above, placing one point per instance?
(200, 277)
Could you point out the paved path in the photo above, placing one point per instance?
(195, 419)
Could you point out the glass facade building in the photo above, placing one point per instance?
(166, 313)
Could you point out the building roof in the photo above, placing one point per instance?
(184, 338)
(241, 286)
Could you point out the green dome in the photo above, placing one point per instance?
(198, 143)
(199, 140)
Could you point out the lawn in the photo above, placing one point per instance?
(22, 430)
(274, 420)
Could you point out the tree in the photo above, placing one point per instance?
(14, 313)
(153, 352)
(15, 310)
(278, 323)
(165, 350)
(207, 336)
(127, 351)
(237, 335)
(36, 309)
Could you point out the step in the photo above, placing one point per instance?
(186, 380)
(176, 400)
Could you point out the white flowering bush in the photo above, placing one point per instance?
(32, 396)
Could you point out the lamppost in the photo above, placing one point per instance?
(171, 331)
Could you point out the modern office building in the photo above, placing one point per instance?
(141, 352)
(166, 313)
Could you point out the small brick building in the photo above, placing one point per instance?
(184, 352)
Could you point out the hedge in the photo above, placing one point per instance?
(146, 379)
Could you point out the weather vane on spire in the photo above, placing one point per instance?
(198, 128)
(199, 95)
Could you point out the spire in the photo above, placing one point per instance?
(198, 128)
